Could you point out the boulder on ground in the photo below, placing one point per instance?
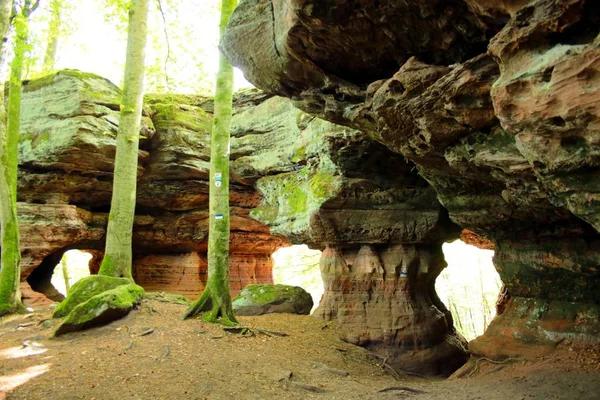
(96, 300)
(267, 299)
(85, 289)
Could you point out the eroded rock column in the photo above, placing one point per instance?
(555, 296)
(384, 299)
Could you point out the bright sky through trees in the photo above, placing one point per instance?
(96, 43)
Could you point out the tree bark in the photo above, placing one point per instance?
(53, 35)
(65, 272)
(118, 254)
(10, 271)
(215, 301)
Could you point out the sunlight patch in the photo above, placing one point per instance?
(10, 382)
(28, 349)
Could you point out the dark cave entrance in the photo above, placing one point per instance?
(298, 265)
(49, 277)
(469, 287)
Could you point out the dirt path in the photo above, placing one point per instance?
(152, 354)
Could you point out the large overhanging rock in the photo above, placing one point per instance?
(507, 138)
(548, 98)
(334, 187)
(291, 46)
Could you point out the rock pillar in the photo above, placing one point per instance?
(384, 299)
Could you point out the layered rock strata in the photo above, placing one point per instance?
(338, 189)
(384, 299)
(294, 175)
(499, 114)
(67, 147)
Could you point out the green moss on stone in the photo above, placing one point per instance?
(194, 119)
(85, 289)
(291, 199)
(102, 308)
(323, 185)
(46, 80)
(259, 299)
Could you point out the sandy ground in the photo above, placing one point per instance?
(152, 354)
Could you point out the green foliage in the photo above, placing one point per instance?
(182, 49)
(117, 13)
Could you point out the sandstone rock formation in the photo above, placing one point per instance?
(295, 175)
(495, 103)
(66, 160)
(337, 188)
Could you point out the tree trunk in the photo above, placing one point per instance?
(53, 34)
(65, 272)
(118, 255)
(215, 301)
(10, 272)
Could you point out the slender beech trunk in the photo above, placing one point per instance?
(10, 271)
(216, 298)
(65, 272)
(118, 255)
(53, 35)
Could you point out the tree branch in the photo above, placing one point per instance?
(162, 13)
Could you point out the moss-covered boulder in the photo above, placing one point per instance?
(102, 308)
(85, 289)
(268, 299)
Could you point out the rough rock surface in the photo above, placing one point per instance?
(294, 175)
(384, 299)
(66, 161)
(500, 118)
(269, 299)
(335, 187)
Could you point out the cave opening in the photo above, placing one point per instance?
(298, 265)
(49, 277)
(469, 287)
(73, 266)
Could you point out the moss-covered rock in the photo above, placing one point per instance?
(85, 289)
(268, 299)
(180, 149)
(69, 122)
(102, 308)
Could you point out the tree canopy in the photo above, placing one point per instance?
(182, 42)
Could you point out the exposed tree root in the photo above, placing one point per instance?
(395, 373)
(212, 308)
(399, 388)
(476, 368)
(250, 332)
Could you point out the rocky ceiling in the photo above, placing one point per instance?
(497, 104)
